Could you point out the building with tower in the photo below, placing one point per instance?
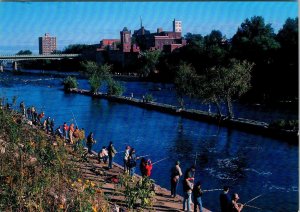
(177, 26)
(125, 35)
(47, 44)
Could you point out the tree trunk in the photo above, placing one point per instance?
(229, 107)
(218, 108)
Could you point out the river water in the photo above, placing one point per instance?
(250, 164)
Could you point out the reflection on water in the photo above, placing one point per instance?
(250, 164)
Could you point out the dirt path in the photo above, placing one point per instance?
(97, 172)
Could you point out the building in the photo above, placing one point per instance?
(109, 44)
(125, 40)
(47, 44)
(177, 26)
(160, 39)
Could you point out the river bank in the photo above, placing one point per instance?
(247, 125)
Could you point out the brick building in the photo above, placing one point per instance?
(47, 44)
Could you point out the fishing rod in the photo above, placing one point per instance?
(209, 190)
(143, 156)
(251, 206)
(160, 160)
(74, 118)
(253, 199)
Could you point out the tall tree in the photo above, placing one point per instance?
(255, 42)
(24, 52)
(149, 59)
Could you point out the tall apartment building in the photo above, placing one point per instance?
(177, 26)
(47, 44)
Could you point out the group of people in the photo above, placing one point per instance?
(191, 190)
(194, 191)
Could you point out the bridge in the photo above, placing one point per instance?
(37, 57)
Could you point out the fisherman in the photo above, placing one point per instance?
(22, 108)
(148, 168)
(90, 141)
(236, 207)
(65, 130)
(176, 173)
(132, 162)
(187, 188)
(103, 155)
(29, 113)
(197, 193)
(52, 123)
(225, 200)
(35, 117)
(143, 167)
(48, 124)
(59, 131)
(111, 154)
(71, 131)
(40, 116)
(126, 156)
(32, 111)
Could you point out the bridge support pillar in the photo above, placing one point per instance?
(15, 66)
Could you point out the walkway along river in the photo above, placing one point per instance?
(250, 164)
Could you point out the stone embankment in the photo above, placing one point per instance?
(256, 127)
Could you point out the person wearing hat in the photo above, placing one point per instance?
(197, 194)
(176, 173)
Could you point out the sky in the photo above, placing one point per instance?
(21, 23)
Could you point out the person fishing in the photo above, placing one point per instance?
(188, 187)
(48, 125)
(143, 167)
(235, 206)
(111, 154)
(197, 194)
(71, 132)
(40, 117)
(132, 162)
(148, 168)
(65, 130)
(176, 173)
(90, 141)
(225, 200)
(22, 108)
(103, 155)
(52, 123)
(126, 157)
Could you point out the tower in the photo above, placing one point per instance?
(47, 44)
(177, 26)
(125, 40)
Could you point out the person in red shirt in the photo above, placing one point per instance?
(148, 168)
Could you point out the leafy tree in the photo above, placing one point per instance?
(150, 60)
(77, 48)
(194, 39)
(184, 81)
(70, 82)
(255, 41)
(114, 88)
(24, 52)
(96, 74)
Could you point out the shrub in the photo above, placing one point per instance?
(149, 98)
(95, 83)
(70, 82)
(114, 88)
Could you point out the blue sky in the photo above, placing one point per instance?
(89, 22)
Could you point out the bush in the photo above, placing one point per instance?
(114, 88)
(149, 98)
(285, 124)
(70, 82)
(95, 83)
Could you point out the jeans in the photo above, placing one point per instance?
(174, 187)
(132, 171)
(197, 203)
(110, 162)
(187, 199)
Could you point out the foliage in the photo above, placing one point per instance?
(194, 39)
(96, 74)
(35, 175)
(77, 48)
(114, 88)
(70, 82)
(24, 52)
(150, 60)
(149, 98)
(184, 78)
(285, 124)
(137, 192)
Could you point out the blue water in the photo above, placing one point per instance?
(250, 164)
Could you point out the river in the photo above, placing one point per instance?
(250, 164)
